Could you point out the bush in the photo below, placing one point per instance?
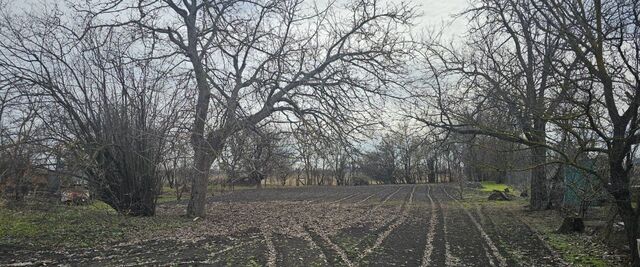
(360, 181)
(126, 176)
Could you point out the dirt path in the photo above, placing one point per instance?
(396, 225)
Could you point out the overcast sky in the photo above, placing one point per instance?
(436, 13)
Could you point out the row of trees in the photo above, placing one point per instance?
(114, 89)
(406, 155)
(118, 84)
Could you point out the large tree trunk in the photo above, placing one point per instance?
(538, 179)
(203, 156)
(538, 200)
(431, 176)
(199, 183)
(619, 178)
(631, 229)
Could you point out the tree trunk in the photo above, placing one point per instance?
(538, 200)
(619, 177)
(449, 174)
(259, 178)
(431, 176)
(203, 156)
(436, 169)
(200, 179)
(538, 179)
(631, 229)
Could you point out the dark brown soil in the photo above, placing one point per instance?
(322, 226)
(295, 251)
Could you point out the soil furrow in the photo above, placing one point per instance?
(367, 198)
(344, 198)
(428, 249)
(271, 249)
(335, 254)
(400, 220)
(313, 245)
(493, 250)
(446, 257)
(528, 246)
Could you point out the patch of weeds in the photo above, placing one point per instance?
(11, 227)
(355, 240)
(230, 260)
(576, 249)
(513, 254)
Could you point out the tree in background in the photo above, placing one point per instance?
(22, 139)
(252, 156)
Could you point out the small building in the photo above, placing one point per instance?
(581, 189)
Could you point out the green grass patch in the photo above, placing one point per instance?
(101, 206)
(573, 252)
(489, 186)
(164, 198)
(61, 226)
(349, 244)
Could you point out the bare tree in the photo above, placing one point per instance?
(251, 60)
(508, 70)
(251, 156)
(22, 139)
(602, 37)
(381, 164)
(232, 156)
(562, 68)
(340, 155)
(105, 103)
(177, 162)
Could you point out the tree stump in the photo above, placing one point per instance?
(571, 225)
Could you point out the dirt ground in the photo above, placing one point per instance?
(393, 225)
